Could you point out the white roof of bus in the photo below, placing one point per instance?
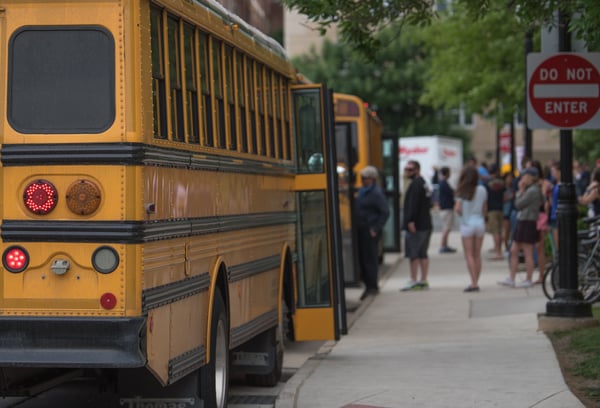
(249, 30)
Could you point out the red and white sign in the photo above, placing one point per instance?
(563, 91)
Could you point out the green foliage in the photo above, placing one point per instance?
(479, 63)
(360, 20)
(392, 82)
(586, 146)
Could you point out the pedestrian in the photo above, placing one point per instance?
(417, 224)
(527, 202)
(372, 212)
(495, 204)
(471, 206)
(542, 221)
(591, 195)
(509, 196)
(446, 203)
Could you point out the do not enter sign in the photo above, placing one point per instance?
(563, 91)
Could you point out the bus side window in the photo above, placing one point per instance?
(217, 79)
(240, 87)
(206, 109)
(286, 120)
(231, 108)
(191, 90)
(308, 126)
(175, 79)
(158, 75)
(260, 92)
(251, 105)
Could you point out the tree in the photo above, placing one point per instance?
(359, 20)
(476, 63)
(392, 82)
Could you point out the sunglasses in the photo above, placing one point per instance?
(409, 169)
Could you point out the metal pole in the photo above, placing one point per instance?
(527, 136)
(568, 300)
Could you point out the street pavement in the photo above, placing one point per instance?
(436, 348)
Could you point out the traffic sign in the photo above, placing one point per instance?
(563, 91)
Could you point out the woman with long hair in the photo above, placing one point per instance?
(542, 224)
(528, 200)
(471, 206)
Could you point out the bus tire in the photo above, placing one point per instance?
(214, 376)
(273, 344)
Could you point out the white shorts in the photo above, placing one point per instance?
(472, 230)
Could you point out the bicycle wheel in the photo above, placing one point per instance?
(550, 282)
(589, 278)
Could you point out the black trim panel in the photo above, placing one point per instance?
(247, 331)
(186, 363)
(131, 154)
(135, 232)
(245, 270)
(172, 292)
(71, 342)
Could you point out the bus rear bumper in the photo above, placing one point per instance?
(71, 342)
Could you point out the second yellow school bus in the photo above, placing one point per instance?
(166, 200)
(358, 138)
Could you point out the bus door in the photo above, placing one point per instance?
(347, 155)
(320, 304)
(391, 187)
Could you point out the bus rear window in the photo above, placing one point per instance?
(61, 79)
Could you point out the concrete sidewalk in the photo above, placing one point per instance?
(436, 348)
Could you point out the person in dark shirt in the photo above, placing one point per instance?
(446, 203)
(417, 224)
(495, 201)
(371, 214)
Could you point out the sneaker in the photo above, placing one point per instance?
(409, 286)
(471, 289)
(524, 284)
(421, 285)
(507, 282)
(447, 250)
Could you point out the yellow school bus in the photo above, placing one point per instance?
(168, 211)
(358, 138)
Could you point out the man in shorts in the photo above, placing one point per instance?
(417, 224)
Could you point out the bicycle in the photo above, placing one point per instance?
(588, 264)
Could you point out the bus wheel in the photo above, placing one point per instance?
(214, 376)
(273, 345)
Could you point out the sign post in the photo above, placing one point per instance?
(564, 92)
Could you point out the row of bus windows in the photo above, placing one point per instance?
(208, 93)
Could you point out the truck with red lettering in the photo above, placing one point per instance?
(431, 152)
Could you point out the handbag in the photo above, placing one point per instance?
(542, 222)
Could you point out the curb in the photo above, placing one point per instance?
(288, 396)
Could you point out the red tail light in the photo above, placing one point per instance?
(108, 301)
(15, 259)
(40, 197)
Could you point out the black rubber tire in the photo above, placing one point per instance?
(274, 344)
(214, 376)
(550, 282)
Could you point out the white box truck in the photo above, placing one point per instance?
(430, 152)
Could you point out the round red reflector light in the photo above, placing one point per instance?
(108, 301)
(40, 197)
(15, 259)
